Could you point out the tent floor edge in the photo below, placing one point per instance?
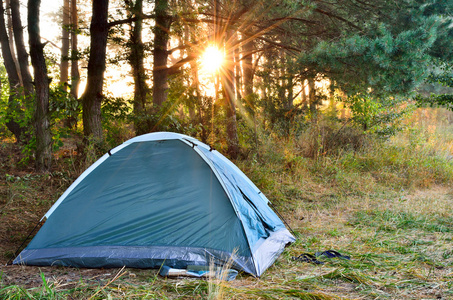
(140, 257)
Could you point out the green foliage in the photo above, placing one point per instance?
(444, 77)
(4, 94)
(65, 113)
(165, 118)
(52, 65)
(115, 108)
(380, 115)
(20, 109)
(115, 114)
(388, 62)
(62, 105)
(28, 151)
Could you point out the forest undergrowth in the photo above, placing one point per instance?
(386, 203)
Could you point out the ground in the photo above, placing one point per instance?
(400, 243)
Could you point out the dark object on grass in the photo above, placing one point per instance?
(309, 258)
(332, 254)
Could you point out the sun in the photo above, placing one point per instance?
(212, 59)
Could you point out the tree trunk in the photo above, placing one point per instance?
(196, 93)
(247, 74)
(6, 51)
(22, 54)
(227, 77)
(199, 102)
(9, 27)
(136, 58)
(314, 116)
(42, 124)
(289, 86)
(312, 96)
(194, 84)
(290, 92)
(247, 67)
(281, 73)
(75, 75)
(237, 71)
(13, 78)
(64, 62)
(92, 97)
(160, 71)
(304, 94)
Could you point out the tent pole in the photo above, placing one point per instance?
(25, 240)
(283, 219)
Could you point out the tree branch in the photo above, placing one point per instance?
(338, 17)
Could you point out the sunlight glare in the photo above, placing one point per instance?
(212, 59)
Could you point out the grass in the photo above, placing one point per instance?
(388, 206)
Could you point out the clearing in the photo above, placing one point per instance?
(400, 243)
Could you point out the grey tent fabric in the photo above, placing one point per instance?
(160, 198)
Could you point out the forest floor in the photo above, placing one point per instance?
(400, 243)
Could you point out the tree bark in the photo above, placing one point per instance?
(304, 93)
(9, 28)
(237, 71)
(136, 57)
(92, 97)
(247, 68)
(227, 77)
(42, 124)
(312, 96)
(290, 86)
(281, 78)
(13, 78)
(22, 54)
(194, 84)
(75, 75)
(289, 83)
(198, 104)
(160, 53)
(248, 74)
(64, 62)
(8, 58)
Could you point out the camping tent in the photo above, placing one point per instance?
(160, 199)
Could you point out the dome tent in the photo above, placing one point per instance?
(160, 198)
